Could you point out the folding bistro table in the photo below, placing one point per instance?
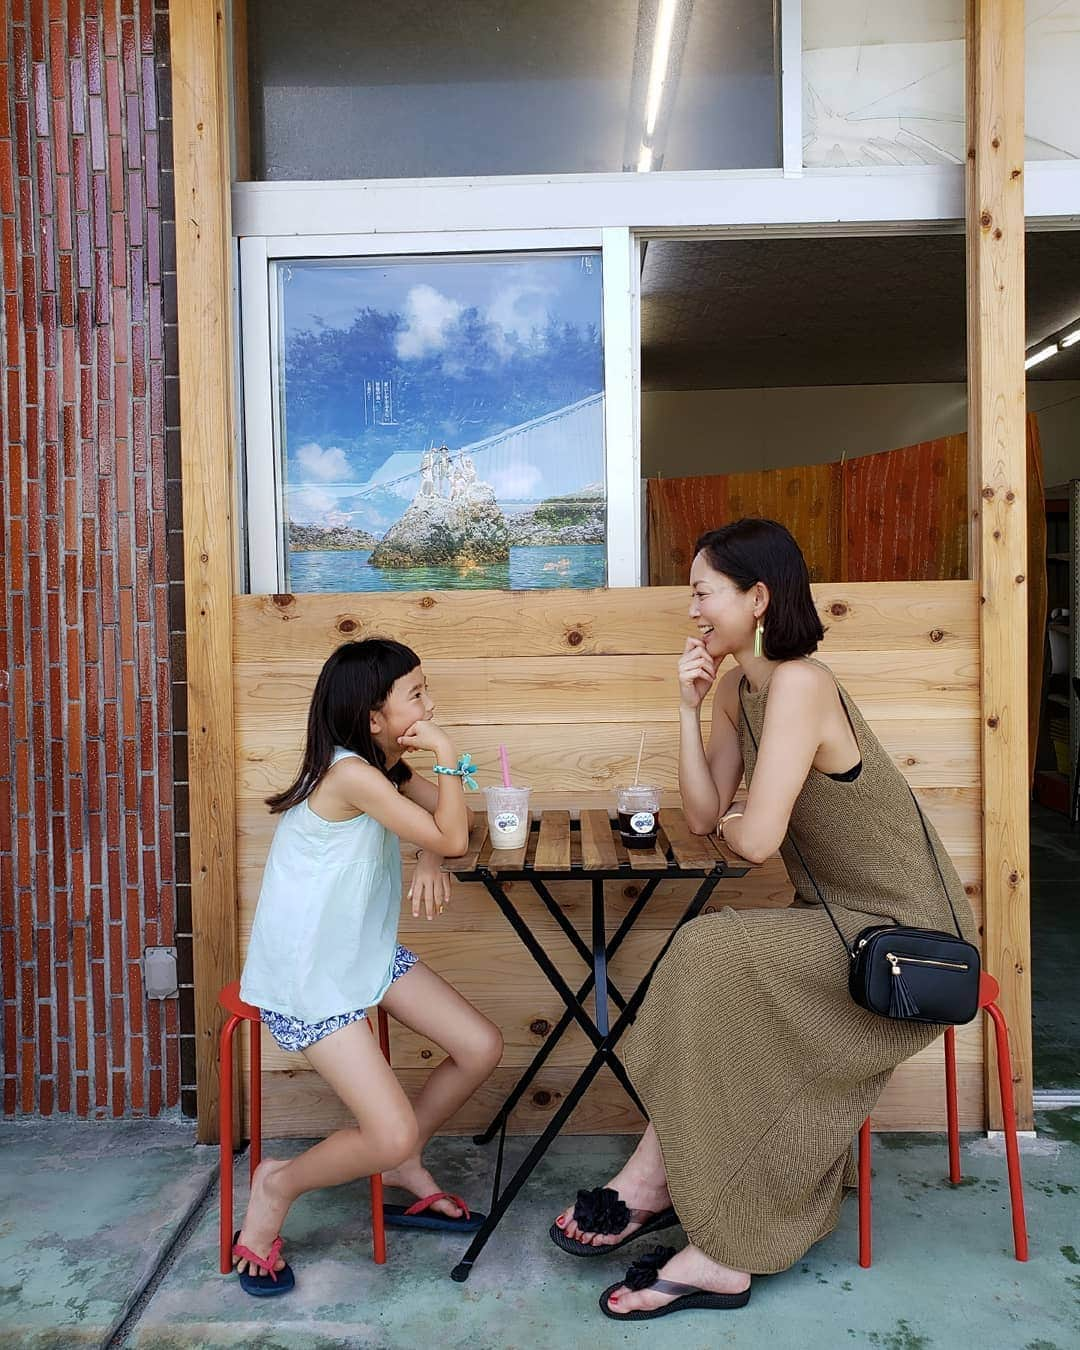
(559, 849)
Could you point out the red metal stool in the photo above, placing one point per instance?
(239, 1011)
(988, 992)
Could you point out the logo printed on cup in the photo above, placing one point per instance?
(506, 821)
(642, 822)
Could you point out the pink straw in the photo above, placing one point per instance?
(504, 760)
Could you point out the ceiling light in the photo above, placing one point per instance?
(644, 163)
(1043, 354)
(658, 70)
(1069, 339)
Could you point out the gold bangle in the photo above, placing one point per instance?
(731, 815)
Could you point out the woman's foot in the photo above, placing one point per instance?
(413, 1176)
(641, 1185)
(266, 1212)
(690, 1266)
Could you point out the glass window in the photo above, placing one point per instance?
(883, 83)
(440, 422)
(416, 89)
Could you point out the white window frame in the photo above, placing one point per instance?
(263, 487)
(396, 217)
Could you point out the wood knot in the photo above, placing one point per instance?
(541, 1098)
(937, 635)
(427, 602)
(911, 762)
(988, 493)
(425, 1054)
(1010, 496)
(575, 638)
(540, 1027)
(997, 534)
(996, 142)
(992, 723)
(204, 557)
(346, 626)
(1021, 579)
(997, 234)
(1014, 878)
(838, 609)
(1015, 173)
(986, 220)
(631, 892)
(283, 601)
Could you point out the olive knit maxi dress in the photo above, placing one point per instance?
(754, 1063)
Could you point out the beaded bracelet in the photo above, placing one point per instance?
(466, 771)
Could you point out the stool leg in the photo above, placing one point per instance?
(225, 1134)
(381, 1030)
(255, 1105)
(950, 1105)
(1008, 1121)
(865, 1233)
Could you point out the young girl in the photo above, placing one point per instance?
(324, 943)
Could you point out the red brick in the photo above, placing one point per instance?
(63, 1077)
(82, 1095)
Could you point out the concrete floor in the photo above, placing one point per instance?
(90, 1211)
(1055, 949)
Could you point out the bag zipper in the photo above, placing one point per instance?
(895, 961)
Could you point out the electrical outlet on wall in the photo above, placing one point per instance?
(159, 972)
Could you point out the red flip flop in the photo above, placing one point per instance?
(269, 1281)
(416, 1215)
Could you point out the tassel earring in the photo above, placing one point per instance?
(759, 639)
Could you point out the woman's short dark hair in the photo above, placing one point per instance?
(753, 550)
(353, 682)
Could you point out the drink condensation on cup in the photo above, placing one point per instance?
(638, 809)
(508, 816)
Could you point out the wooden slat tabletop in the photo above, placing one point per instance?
(555, 844)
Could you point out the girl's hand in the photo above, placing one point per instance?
(430, 885)
(697, 672)
(426, 735)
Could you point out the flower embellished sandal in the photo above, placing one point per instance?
(417, 1216)
(269, 1281)
(603, 1211)
(645, 1274)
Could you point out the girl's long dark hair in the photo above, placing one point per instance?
(352, 684)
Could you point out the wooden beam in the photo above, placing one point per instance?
(241, 94)
(996, 441)
(203, 243)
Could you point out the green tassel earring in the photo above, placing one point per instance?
(759, 639)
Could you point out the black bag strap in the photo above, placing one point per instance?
(798, 850)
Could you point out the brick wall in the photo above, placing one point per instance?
(87, 870)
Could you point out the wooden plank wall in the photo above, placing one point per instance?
(568, 680)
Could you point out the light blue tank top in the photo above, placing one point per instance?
(325, 928)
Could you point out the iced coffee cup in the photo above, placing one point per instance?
(508, 816)
(638, 810)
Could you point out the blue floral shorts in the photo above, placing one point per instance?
(293, 1034)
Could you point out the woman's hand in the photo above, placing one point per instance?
(430, 885)
(427, 735)
(697, 673)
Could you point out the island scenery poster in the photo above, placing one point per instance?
(441, 422)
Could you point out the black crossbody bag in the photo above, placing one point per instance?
(908, 974)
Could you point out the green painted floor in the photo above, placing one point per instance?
(88, 1211)
(1055, 949)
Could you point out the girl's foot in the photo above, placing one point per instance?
(413, 1176)
(690, 1266)
(266, 1212)
(639, 1189)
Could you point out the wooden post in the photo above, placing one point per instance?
(996, 441)
(203, 243)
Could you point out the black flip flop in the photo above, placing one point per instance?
(416, 1216)
(603, 1211)
(271, 1282)
(645, 1274)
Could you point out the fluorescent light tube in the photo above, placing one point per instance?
(658, 71)
(1043, 354)
(644, 163)
(1069, 339)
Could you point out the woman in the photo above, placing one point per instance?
(754, 1063)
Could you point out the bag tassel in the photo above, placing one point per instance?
(901, 1003)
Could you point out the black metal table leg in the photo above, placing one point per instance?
(604, 1053)
(559, 1030)
(599, 956)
